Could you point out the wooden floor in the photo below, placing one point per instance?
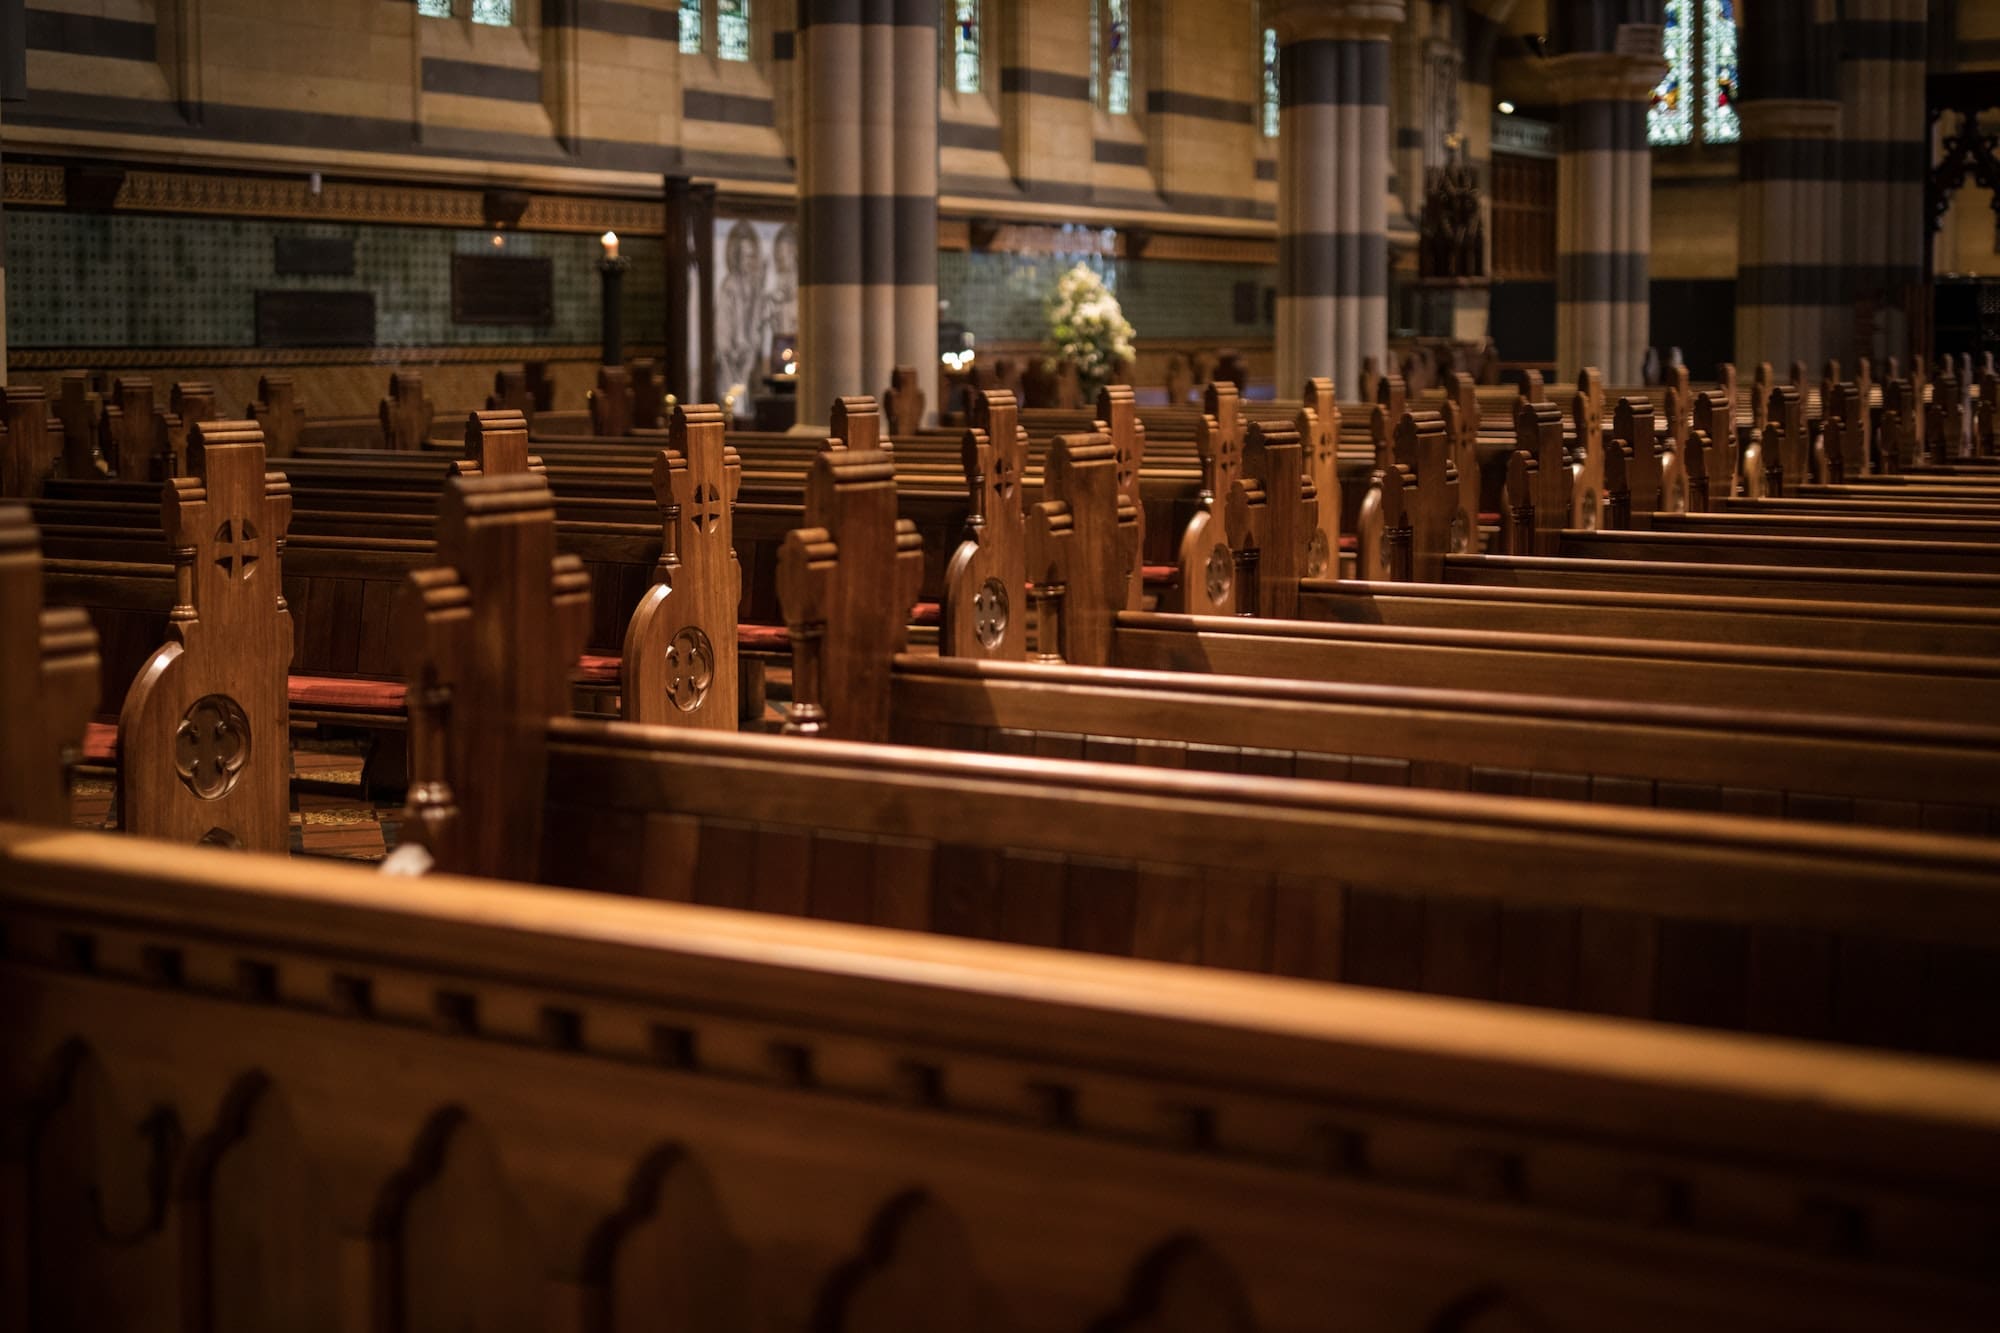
(331, 816)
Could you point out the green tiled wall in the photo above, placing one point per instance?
(1000, 296)
(93, 280)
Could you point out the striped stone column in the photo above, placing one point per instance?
(1604, 211)
(1885, 146)
(1333, 181)
(1789, 283)
(867, 164)
(3, 277)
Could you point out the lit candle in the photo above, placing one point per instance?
(610, 245)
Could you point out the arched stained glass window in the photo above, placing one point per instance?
(1118, 57)
(732, 29)
(1670, 117)
(1096, 52)
(1270, 83)
(690, 22)
(494, 13)
(1718, 72)
(434, 9)
(964, 45)
(1696, 101)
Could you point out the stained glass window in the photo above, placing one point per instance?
(434, 9)
(1096, 52)
(496, 13)
(732, 29)
(1118, 57)
(965, 45)
(690, 27)
(1670, 117)
(1270, 83)
(1718, 72)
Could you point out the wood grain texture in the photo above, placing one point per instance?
(983, 612)
(48, 667)
(488, 636)
(679, 666)
(1080, 542)
(204, 740)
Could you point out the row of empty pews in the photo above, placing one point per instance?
(1465, 861)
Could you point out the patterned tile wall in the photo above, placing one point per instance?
(1000, 296)
(95, 280)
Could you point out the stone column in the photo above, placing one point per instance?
(1885, 144)
(1333, 182)
(1604, 210)
(867, 197)
(1789, 302)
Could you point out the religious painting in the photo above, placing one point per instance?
(756, 302)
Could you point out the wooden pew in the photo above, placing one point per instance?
(204, 741)
(421, 1103)
(48, 675)
(762, 822)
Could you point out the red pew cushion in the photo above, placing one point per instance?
(381, 696)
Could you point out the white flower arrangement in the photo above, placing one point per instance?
(1088, 329)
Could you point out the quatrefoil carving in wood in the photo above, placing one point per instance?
(212, 746)
(690, 668)
(1219, 573)
(989, 612)
(236, 547)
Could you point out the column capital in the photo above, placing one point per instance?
(1344, 20)
(1789, 118)
(1605, 76)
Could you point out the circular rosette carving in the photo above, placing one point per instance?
(1319, 556)
(1458, 531)
(690, 668)
(1220, 573)
(989, 613)
(212, 746)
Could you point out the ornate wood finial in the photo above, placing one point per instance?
(1282, 510)
(611, 402)
(903, 402)
(1392, 399)
(496, 444)
(1532, 390)
(855, 422)
(406, 412)
(649, 393)
(280, 413)
(1318, 425)
(1080, 541)
(982, 614)
(847, 582)
(510, 391)
(1538, 431)
(1382, 529)
(29, 440)
(1709, 454)
(127, 431)
(679, 664)
(81, 413)
(1423, 449)
(1461, 423)
(1207, 556)
(1118, 419)
(1787, 452)
(206, 748)
(1637, 454)
(48, 673)
(190, 402)
(1517, 506)
(479, 718)
(1586, 490)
